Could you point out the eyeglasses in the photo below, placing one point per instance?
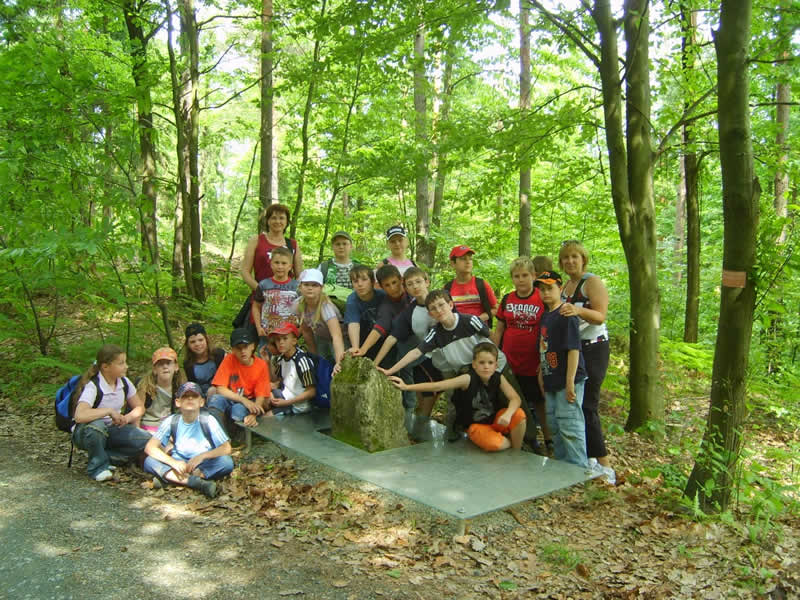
(570, 242)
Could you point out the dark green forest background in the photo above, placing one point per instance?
(133, 162)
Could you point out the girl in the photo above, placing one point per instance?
(100, 428)
(202, 361)
(157, 391)
(397, 241)
(319, 318)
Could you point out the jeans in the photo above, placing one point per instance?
(100, 440)
(212, 468)
(567, 426)
(220, 405)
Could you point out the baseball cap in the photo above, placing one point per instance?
(549, 277)
(396, 230)
(460, 251)
(343, 234)
(190, 387)
(285, 329)
(194, 329)
(242, 335)
(164, 354)
(311, 276)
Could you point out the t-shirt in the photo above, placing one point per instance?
(277, 298)
(337, 273)
(456, 344)
(262, 258)
(389, 309)
(414, 321)
(480, 402)
(203, 373)
(160, 407)
(467, 300)
(297, 373)
(189, 437)
(113, 395)
(558, 335)
(306, 317)
(250, 381)
(402, 265)
(357, 310)
(521, 316)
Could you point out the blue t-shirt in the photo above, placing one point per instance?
(204, 374)
(189, 437)
(357, 310)
(557, 336)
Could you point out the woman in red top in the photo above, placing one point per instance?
(256, 261)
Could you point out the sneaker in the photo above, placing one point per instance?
(593, 463)
(208, 488)
(157, 484)
(112, 468)
(609, 474)
(103, 475)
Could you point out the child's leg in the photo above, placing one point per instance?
(127, 440)
(160, 470)
(530, 427)
(569, 434)
(215, 468)
(487, 438)
(219, 406)
(515, 429)
(93, 437)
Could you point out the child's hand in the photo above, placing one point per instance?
(356, 352)
(568, 310)
(116, 418)
(254, 408)
(570, 392)
(194, 462)
(250, 421)
(180, 467)
(505, 418)
(279, 402)
(397, 382)
(384, 371)
(336, 368)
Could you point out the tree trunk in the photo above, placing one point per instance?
(632, 193)
(679, 229)
(312, 84)
(783, 94)
(266, 175)
(524, 107)
(441, 153)
(711, 481)
(424, 245)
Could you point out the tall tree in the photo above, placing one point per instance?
(425, 247)
(266, 174)
(524, 107)
(711, 480)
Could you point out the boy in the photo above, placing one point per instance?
(409, 328)
(562, 373)
(478, 401)
(200, 449)
(242, 382)
(518, 316)
(454, 336)
(471, 295)
(296, 370)
(361, 310)
(273, 298)
(336, 270)
(393, 303)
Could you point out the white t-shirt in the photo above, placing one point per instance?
(113, 396)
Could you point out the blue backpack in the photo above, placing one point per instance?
(323, 373)
(66, 399)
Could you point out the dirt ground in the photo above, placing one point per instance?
(285, 527)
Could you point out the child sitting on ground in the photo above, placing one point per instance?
(562, 374)
(200, 449)
(319, 318)
(397, 241)
(157, 390)
(201, 360)
(361, 310)
(242, 382)
(100, 428)
(478, 399)
(297, 387)
(471, 295)
(274, 297)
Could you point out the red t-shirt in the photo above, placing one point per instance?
(466, 299)
(522, 317)
(250, 381)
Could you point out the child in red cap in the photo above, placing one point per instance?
(295, 371)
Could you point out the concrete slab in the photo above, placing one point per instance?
(455, 478)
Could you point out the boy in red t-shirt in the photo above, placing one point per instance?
(518, 316)
(242, 382)
(471, 295)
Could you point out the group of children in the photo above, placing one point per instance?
(528, 370)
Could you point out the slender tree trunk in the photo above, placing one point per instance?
(312, 84)
(524, 108)
(424, 247)
(632, 193)
(679, 230)
(711, 481)
(783, 95)
(441, 152)
(266, 176)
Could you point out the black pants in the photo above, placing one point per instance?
(596, 358)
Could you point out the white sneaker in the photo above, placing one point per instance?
(593, 463)
(609, 474)
(103, 475)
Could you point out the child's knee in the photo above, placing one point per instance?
(486, 438)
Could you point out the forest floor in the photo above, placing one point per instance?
(286, 527)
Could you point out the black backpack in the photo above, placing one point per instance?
(482, 294)
(203, 417)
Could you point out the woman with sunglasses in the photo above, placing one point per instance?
(585, 296)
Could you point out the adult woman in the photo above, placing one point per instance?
(256, 261)
(585, 296)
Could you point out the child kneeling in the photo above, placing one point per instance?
(201, 449)
(477, 398)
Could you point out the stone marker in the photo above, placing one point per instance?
(366, 409)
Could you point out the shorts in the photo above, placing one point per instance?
(425, 372)
(490, 437)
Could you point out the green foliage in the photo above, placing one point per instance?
(560, 555)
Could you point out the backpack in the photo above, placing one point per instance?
(338, 295)
(204, 416)
(323, 373)
(483, 295)
(66, 400)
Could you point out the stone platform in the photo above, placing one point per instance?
(455, 478)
